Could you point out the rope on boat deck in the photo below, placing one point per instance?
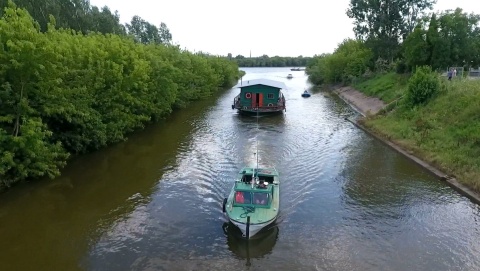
(247, 210)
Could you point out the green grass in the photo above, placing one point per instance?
(387, 87)
(444, 132)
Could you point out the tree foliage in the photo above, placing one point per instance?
(276, 61)
(78, 15)
(416, 48)
(384, 23)
(450, 40)
(63, 92)
(350, 60)
(317, 69)
(445, 39)
(460, 31)
(145, 32)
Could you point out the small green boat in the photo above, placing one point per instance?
(254, 200)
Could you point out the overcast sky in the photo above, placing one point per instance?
(284, 28)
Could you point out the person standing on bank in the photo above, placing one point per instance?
(449, 74)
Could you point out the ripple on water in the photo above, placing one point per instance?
(347, 201)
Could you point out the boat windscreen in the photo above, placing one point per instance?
(247, 178)
(268, 179)
(260, 198)
(243, 197)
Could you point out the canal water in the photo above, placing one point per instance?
(348, 202)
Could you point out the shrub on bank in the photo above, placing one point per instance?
(422, 86)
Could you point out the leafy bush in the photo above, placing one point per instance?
(317, 69)
(401, 67)
(422, 86)
(349, 62)
(382, 65)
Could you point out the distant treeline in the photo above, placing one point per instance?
(65, 92)
(266, 61)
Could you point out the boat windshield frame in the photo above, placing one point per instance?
(254, 196)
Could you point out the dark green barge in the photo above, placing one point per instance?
(260, 96)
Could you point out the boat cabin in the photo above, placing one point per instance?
(258, 195)
(260, 95)
(247, 196)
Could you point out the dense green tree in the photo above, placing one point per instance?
(475, 53)
(30, 154)
(78, 15)
(357, 58)
(63, 91)
(460, 30)
(349, 61)
(317, 69)
(26, 146)
(104, 21)
(164, 34)
(77, 125)
(144, 32)
(416, 48)
(413, 11)
(226, 72)
(383, 24)
(162, 80)
(21, 64)
(450, 40)
(432, 32)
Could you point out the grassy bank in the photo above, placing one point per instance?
(387, 87)
(444, 132)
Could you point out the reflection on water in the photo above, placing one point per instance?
(348, 202)
(258, 246)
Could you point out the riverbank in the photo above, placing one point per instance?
(369, 106)
(362, 103)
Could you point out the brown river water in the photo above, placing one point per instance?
(348, 202)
